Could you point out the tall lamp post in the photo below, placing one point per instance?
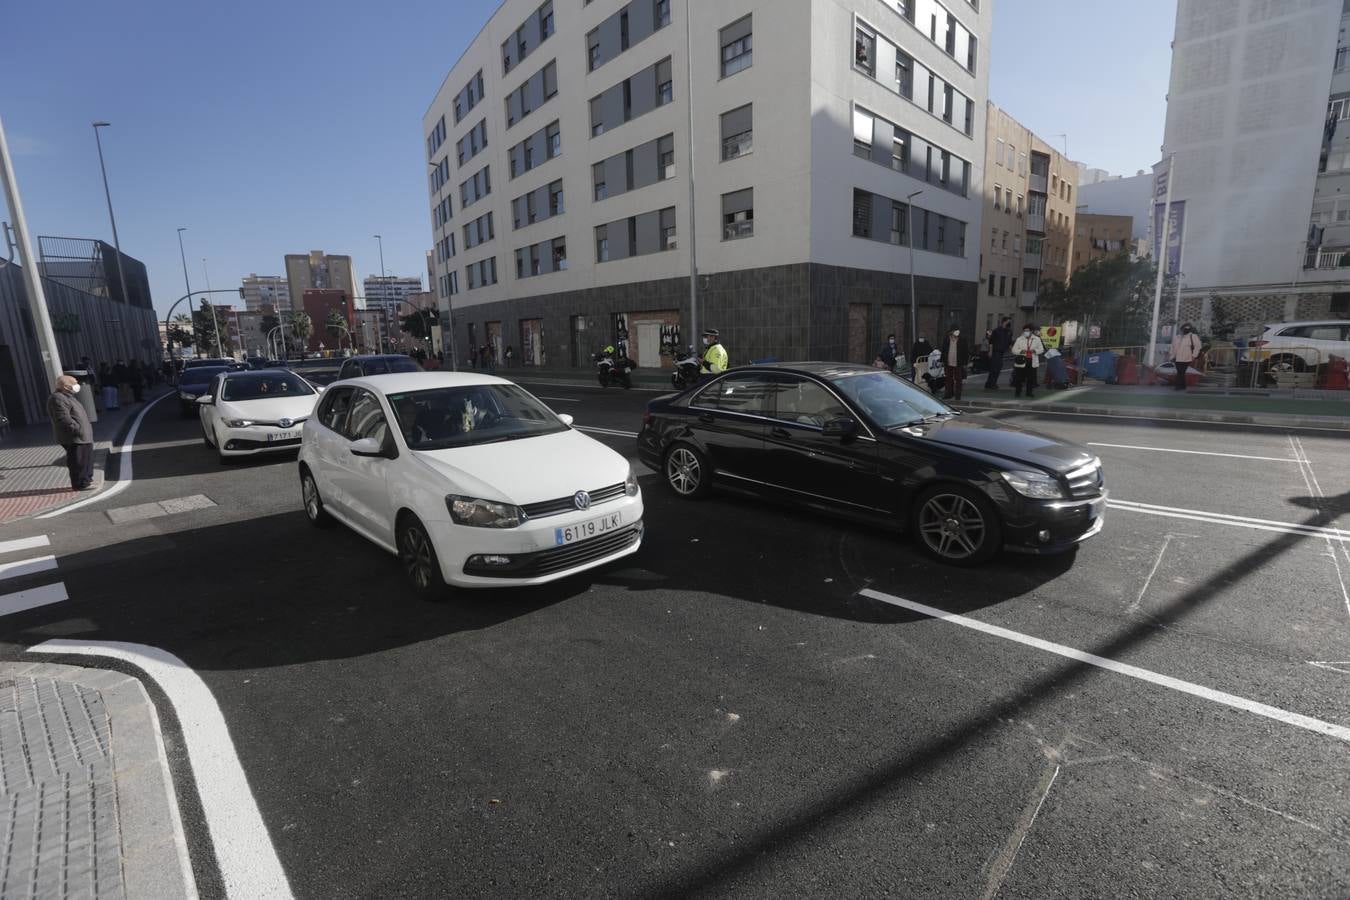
(192, 310)
(117, 244)
(215, 321)
(384, 277)
(909, 239)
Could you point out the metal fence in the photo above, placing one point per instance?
(91, 267)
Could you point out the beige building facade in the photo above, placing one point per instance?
(317, 270)
(1099, 237)
(1030, 192)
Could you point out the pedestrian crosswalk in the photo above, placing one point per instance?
(14, 566)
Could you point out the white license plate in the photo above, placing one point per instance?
(583, 530)
(283, 436)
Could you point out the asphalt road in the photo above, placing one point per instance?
(727, 715)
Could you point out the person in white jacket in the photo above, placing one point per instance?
(1026, 359)
(1186, 348)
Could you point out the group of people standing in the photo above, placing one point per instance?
(123, 382)
(943, 368)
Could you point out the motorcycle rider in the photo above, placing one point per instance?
(715, 356)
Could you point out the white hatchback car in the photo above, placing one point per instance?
(1302, 346)
(246, 413)
(469, 479)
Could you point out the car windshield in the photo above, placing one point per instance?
(889, 400)
(201, 374)
(470, 414)
(264, 386)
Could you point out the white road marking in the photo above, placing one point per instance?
(1167, 539)
(124, 475)
(32, 598)
(248, 862)
(1222, 698)
(1315, 491)
(28, 543)
(27, 566)
(609, 431)
(1152, 420)
(1197, 515)
(1003, 865)
(1192, 452)
(558, 399)
(1333, 665)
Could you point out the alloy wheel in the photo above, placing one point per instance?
(952, 526)
(415, 553)
(683, 471)
(311, 497)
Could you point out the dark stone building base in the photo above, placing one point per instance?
(792, 312)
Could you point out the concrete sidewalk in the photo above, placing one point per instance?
(90, 805)
(34, 466)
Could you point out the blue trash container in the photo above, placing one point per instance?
(1101, 365)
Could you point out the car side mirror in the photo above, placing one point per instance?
(842, 427)
(367, 446)
(565, 419)
(206, 400)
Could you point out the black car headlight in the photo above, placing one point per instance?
(484, 513)
(1036, 485)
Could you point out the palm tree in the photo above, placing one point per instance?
(180, 330)
(336, 325)
(300, 325)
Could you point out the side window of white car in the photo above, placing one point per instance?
(334, 412)
(367, 418)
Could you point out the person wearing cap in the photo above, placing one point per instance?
(715, 356)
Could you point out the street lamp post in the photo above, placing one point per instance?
(215, 322)
(192, 310)
(909, 239)
(117, 244)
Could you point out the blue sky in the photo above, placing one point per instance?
(281, 127)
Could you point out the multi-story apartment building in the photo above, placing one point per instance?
(391, 289)
(317, 270)
(1099, 237)
(824, 134)
(1028, 220)
(1257, 125)
(265, 290)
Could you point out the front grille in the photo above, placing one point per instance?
(1086, 481)
(558, 559)
(565, 504)
(243, 444)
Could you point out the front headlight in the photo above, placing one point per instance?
(238, 423)
(630, 484)
(184, 395)
(1036, 485)
(484, 513)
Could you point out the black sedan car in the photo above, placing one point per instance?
(194, 382)
(864, 443)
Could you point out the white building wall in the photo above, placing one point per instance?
(1245, 116)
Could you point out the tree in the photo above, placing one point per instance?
(299, 326)
(207, 322)
(418, 324)
(1115, 293)
(180, 330)
(336, 325)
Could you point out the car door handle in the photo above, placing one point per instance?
(780, 432)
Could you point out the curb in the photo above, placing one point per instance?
(1272, 420)
(153, 846)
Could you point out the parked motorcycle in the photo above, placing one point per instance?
(686, 370)
(613, 370)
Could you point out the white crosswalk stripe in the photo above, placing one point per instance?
(33, 597)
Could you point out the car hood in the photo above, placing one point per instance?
(528, 470)
(270, 409)
(1004, 440)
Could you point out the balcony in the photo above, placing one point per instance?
(1038, 183)
(1327, 258)
(1036, 222)
(1031, 260)
(1028, 299)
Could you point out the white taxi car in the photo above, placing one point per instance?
(251, 412)
(469, 479)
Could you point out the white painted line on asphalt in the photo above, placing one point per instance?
(1298, 720)
(1192, 452)
(248, 862)
(1167, 539)
(609, 431)
(1197, 515)
(124, 472)
(1152, 420)
(45, 595)
(1315, 491)
(27, 567)
(558, 399)
(1342, 665)
(28, 543)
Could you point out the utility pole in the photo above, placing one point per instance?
(37, 300)
(215, 319)
(693, 217)
(117, 245)
(1151, 357)
(192, 310)
(1181, 257)
(909, 239)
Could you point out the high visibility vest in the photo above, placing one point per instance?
(715, 359)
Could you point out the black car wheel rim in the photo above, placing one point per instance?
(311, 492)
(683, 471)
(416, 554)
(952, 526)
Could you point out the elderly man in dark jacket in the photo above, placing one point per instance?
(71, 428)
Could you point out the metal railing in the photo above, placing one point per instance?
(1327, 258)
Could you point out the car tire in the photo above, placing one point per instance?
(309, 495)
(417, 556)
(956, 525)
(687, 472)
(206, 437)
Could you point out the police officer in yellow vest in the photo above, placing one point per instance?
(715, 356)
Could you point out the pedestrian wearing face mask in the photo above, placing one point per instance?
(1185, 350)
(887, 353)
(955, 358)
(714, 354)
(1026, 354)
(71, 428)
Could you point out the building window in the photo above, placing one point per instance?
(602, 244)
(862, 214)
(904, 74)
(998, 197)
(662, 14)
(593, 50)
(553, 134)
(555, 198)
(1017, 245)
(993, 241)
(1005, 242)
(737, 132)
(558, 248)
(865, 50)
(736, 47)
(998, 153)
(899, 223)
(666, 220)
(991, 284)
(1013, 291)
(738, 214)
(863, 124)
(1002, 285)
(1019, 206)
(598, 181)
(665, 157)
